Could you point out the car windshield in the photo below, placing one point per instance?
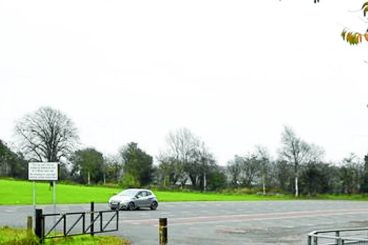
(129, 193)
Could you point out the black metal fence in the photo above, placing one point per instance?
(75, 223)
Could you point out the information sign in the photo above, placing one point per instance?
(43, 171)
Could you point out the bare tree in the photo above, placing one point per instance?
(186, 157)
(295, 151)
(264, 158)
(46, 135)
(244, 170)
(234, 170)
(181, 144)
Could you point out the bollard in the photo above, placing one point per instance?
(163, 231)
(92, 219)
(29, 226)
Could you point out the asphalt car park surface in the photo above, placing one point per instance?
(254, 222)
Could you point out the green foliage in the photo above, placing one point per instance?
(351, 175)
(88, 166)
(88, 240)
(129, 181)
(12, 236)
(170, 171)
(113, 168)
(315, 178)
(364, 185)
(138, 166)
(283, 176)
(11, 163)
(216, 179)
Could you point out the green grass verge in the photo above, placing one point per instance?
(20, 192)
(12, 236)
(352, 197)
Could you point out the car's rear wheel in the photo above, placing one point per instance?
(154, 205)
(131, 206)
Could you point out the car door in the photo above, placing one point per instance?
(143, 199)
(139, 201)
(150, 198)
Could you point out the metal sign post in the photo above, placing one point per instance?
(43, 171)
(34, 196)
(54, 198)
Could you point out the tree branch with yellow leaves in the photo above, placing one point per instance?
(352, 37)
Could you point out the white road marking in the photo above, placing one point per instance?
(249, 217)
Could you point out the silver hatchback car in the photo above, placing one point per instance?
(131, 199)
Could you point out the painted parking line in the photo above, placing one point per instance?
(250, 217)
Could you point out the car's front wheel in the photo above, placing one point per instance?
(131, 206)
(154, 205)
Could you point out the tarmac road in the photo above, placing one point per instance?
(254, 222)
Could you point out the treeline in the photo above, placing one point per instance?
(186, 162)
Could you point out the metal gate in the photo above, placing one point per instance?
(75, 223)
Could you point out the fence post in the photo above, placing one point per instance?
(340, 241)
(38, 225)
(337, 234)
(315, 240)
(101, 222)
(117, 219)
(29, 226)
(64, 225)
(163, 231)
(92, 218)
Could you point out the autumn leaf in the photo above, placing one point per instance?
(343, 34)
(365, 8)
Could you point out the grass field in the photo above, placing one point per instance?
(20, 192)
(19, 236)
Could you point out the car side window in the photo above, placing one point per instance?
(148, 193)
(140, 194)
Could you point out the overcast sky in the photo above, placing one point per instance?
(233, 72)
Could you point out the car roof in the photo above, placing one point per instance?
(136, 189)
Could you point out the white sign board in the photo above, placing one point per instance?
(43, 171)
